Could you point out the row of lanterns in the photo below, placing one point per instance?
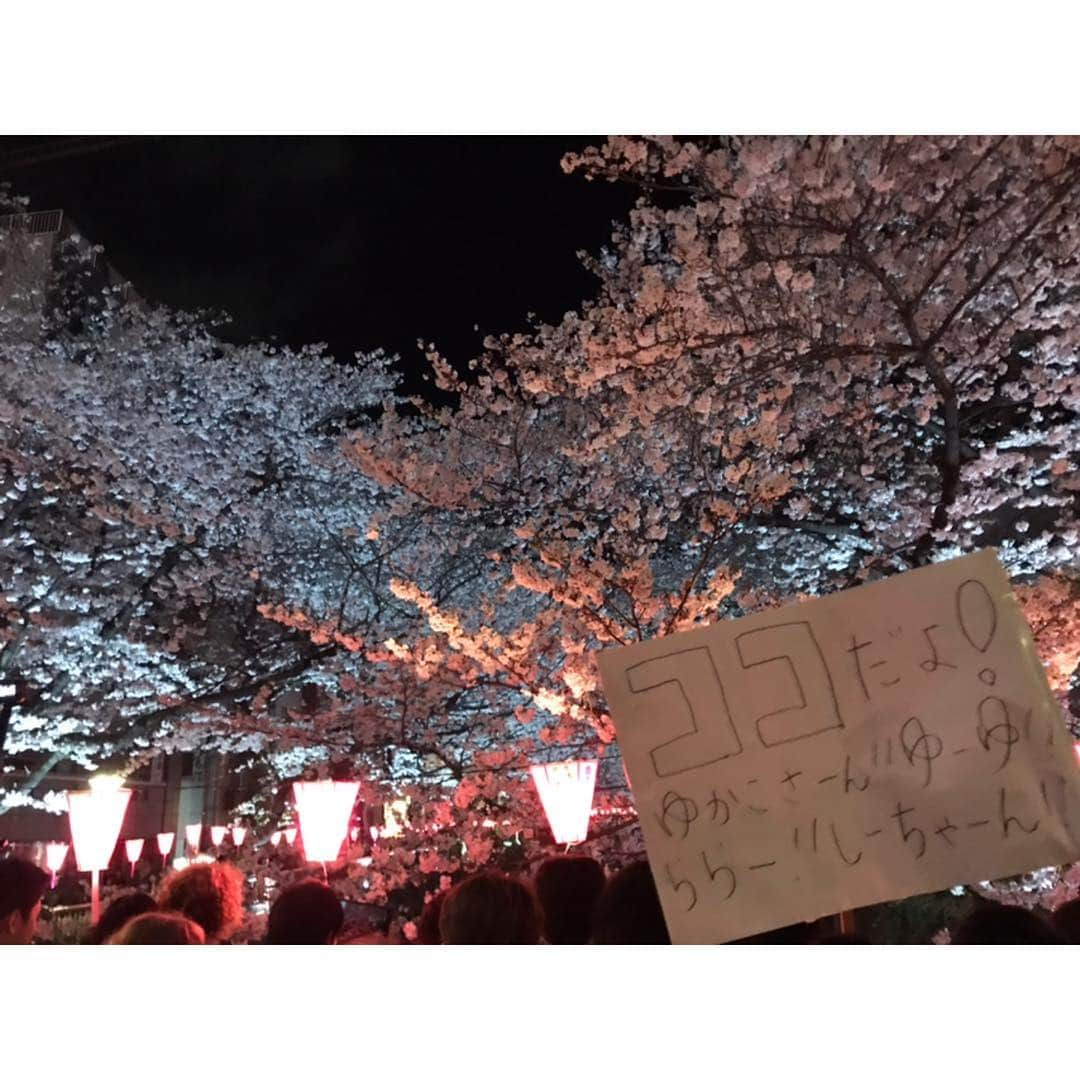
(56, 853)
(324, 809)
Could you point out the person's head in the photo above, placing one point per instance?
(490, 909)
(210, 893)
(628, 911)
(307, 913)
(998, 924)
(121, 911)
(159, 928)
(22, 889)
(427, 927)
(1066, 921)
(567, 887)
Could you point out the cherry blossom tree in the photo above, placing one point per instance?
(810, 362)
(191, 563)
(157, 488)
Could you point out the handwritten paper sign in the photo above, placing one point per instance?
(894, 739)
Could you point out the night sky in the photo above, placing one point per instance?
(360, 242)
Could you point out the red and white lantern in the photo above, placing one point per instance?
(164, 844)
(324, 808)
(55, 856)
(566, 793)
(133, 849)
(193, 836)
(95, 817)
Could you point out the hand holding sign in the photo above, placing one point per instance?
(889, 740)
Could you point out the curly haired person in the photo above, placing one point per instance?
(210, 894)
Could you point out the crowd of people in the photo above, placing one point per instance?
(569, 901)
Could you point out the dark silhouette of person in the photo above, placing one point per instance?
(307, 913)
(1066, 920)
(159, 928)
(568, 887)
(490, 909)
(427, 927)
(120, 911)
(628, 910)
(999, 924)
(22, 890)
(795, 934)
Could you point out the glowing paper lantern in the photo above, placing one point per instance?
(324, 808)
(566, 792)
(55, 854)
(217, 834)
(95, 817)
(193, 835)
(134, 850)
(275, 838)
(238, 834)
(165, 843)
(290, 836)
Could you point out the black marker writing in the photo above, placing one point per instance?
(682, 883)
(695, 697)
(788, 654)
(856, 648)
(836, 841)
(677, 812)
(944, 830)
(729, 876)
(976, 614)
(908, 834)
(934, 662)
(1008, 820)
(918, 746)
(995, 728)
(718, 805)
(790, 778)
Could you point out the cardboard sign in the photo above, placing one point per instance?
(894, 739)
